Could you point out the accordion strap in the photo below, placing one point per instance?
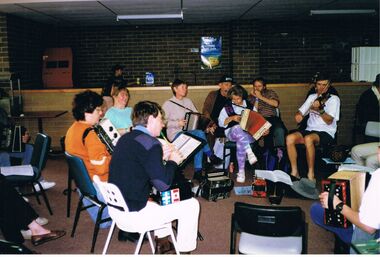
(331, 196)
(85, 133)
(181, 105)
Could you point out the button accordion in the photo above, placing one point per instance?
(195, 120)
(107, 133)
(348, 186)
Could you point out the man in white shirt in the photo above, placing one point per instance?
(323, 109)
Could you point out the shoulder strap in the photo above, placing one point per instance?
(85, 133)
(180, 105)
(230, 111)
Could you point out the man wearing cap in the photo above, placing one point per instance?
(214, 103)
(116, 80)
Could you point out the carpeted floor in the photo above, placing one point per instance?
(214, 225)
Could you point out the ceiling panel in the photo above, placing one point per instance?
(98, 13)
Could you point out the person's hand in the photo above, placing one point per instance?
(167, 151)
(324, 200)
(298, 117)
(211, 129)
(181, 123)
(176, 156)
(236, 118)
(258, 94)
(266, 132)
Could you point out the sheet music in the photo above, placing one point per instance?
(186, 144)
(275, 176)
(20, 170)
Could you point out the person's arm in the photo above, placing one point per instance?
(98, 154)
(351, 215)
(271, 100)
(208, 105)
(330, 111)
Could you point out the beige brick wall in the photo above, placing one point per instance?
(291, 97)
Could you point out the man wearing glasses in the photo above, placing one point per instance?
(323, 108)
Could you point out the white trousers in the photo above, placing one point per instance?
(187, 214)
(366, 155)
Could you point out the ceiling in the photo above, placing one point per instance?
(104, 12)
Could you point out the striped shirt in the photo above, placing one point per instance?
(265, 109)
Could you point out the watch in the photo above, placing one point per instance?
(321, 111)
(339, 207)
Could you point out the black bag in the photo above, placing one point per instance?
(339, 153)
(217, 186)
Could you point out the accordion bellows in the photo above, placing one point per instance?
(254, 123)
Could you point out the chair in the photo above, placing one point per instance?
(82, 180)
(69, 188)
(124, 219)
(268, 229)
(39, 157)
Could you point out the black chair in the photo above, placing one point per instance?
(7, 247)
(268, 229)
(82, 180)
(39, 157)
(69, 188)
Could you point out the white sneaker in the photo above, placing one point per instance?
(25, 199)
(251, 158)
(26, 234)
(45, 184)
(240, 177)
(42, 221)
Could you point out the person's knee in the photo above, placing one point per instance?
(309, 141)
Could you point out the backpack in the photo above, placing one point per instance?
(276, 160)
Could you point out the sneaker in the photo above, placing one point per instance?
(45, 184)
(25, 199)
(251, 158)
(42, 221)
(240, 177)
(26, 234)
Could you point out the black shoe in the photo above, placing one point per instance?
(214, 160)
(294, 178)
(126, 236)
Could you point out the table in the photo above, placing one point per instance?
(40, 115)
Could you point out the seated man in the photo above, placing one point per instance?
(139, 161)
(366, 221)
(175, 110)
(368, 107)
(87, 112)
(324, 109)
(266, 101)
(214, 103)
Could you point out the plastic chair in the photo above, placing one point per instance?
(82, 180)
(39, 157)
(125, 220)
(268, 229)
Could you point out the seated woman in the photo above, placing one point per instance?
(119, 114)
(229, 118)
(175, 109)
(266, 101)
(16, 215)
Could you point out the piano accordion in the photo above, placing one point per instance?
(254, 123)
(107, 133)
(195, 120)
(348, 186)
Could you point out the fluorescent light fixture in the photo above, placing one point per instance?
(354, 11)
(150, 16)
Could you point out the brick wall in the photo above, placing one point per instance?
(4, 59)
(26, 41)
(294, 51)
(257, 48)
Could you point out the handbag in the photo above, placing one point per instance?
(339, 153)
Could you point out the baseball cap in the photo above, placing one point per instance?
(226, 78)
